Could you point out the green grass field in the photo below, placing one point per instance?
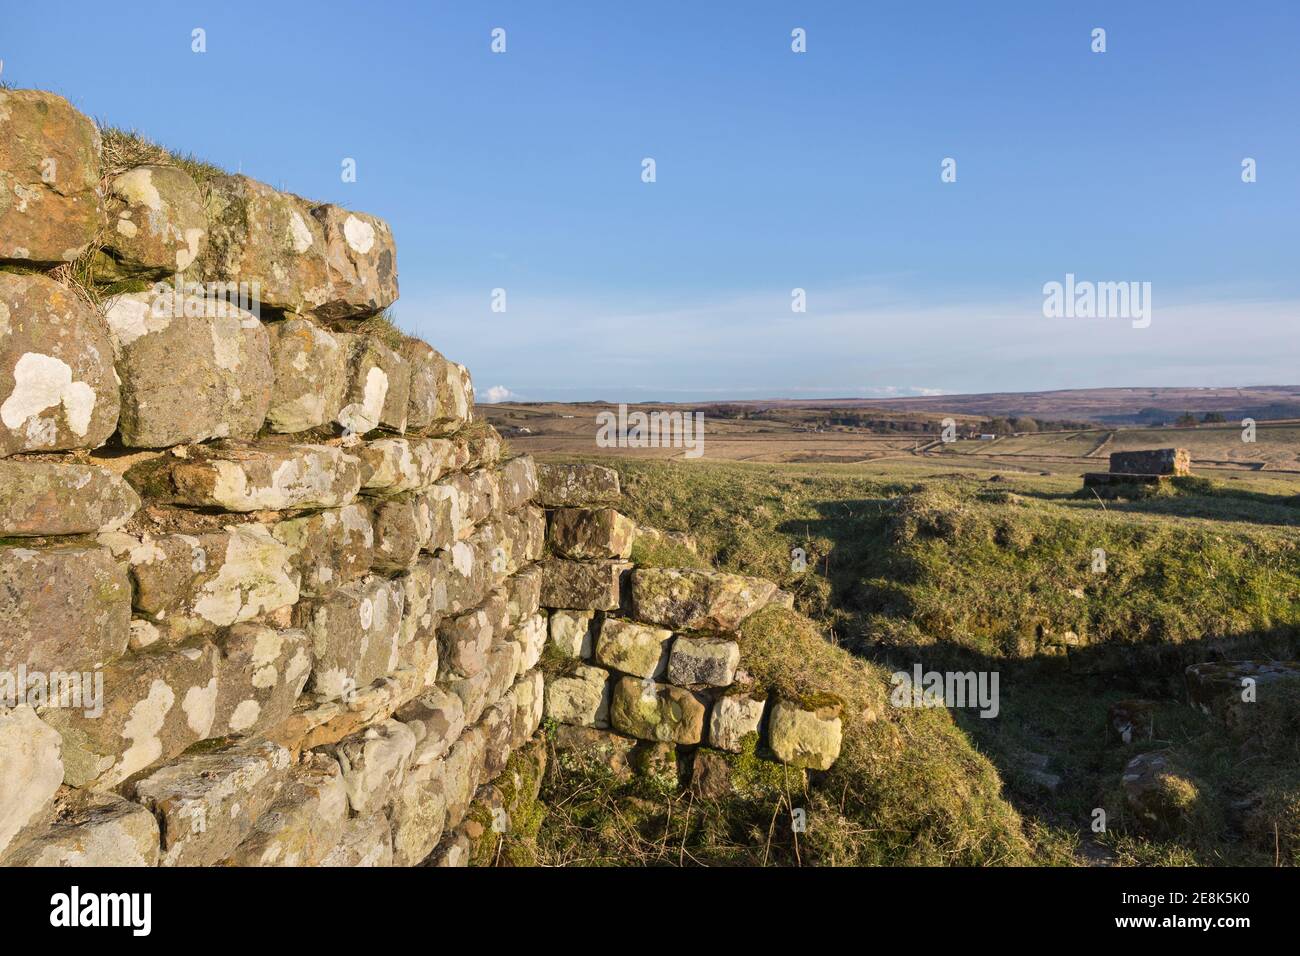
(910, 560)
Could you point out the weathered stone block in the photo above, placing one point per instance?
(581, 486)
(49, 498)
(418, 813)
(573, 633)
(157, 702)
(62, 609)
(805, 734)
(259, 677)
(502, 666)
(531, 638)
(257, 234)
(732, 718)
(191, 369)
(360, 263)
(374, 763)
(463, 641)
(530, 705)
(437, 718)
(630, 648)
(426, 602)
(402, 525)
(1156, 461)
(58, 389)
(518, 483)
(462, 773)
(355, 633)
(157, 226)
(708, 661)
(1161, 794)
(310, 375)
(580, 696)
(207, 802)
(50, 205)
(441, 396)
(366, 842)
(401, 464)
(305, 822)
(192, 584)
(585, 747)
(685, 599)
(379, 385)
(329, 548)
(584, 585)
(649, 711)
(524, 594)
(30, 768)
(245, 478)
(584, 533)
(91, 829)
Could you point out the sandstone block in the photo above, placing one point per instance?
(573, 633)
(374, 763)
(401, 464)
(92, 829)
(441, 396)
(1230, 690)
(585, 747)
(584, 533)
(462, 774)
(157, 226)
(463, 641)
(305, 822)
(65, 608)
(366, 842)
(530, 705)
(418, 813)
(50, 206)
(360, 263)
(649, 711)
(580, 697)
(192, 584)
(531, 638)
(1158, 792)
(518, 484)
(692, 600)
(355, 633)
(329, 548)
(581, 486)
(584, 585)
(732, 718)
(260, 676)
(402, 525)
(309, 367)
(157, 702)
(30, 769)
(58, 389)
(191, 368)
(805, 734)
(636, 649)
(437, 718)
(1157, 461)
(379, 385)
(708, 661)
(48, 498)
(207, 802)
(245, 478)
(524, 594)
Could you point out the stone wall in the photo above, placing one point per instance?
(269, 593)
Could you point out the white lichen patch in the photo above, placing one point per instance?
(142, 728)
(360, 235)
(131, 317)
(299, 233)
(136, 186)
(252, 580)
(200, 706)
(42, 382)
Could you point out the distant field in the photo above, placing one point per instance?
(1274, 457)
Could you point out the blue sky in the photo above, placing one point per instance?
(775, 170)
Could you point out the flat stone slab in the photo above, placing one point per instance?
(581, 486)
(251, 478)
(685, 599)
(91, 829)
(584, 585)
(53, 498)
(591, 533)
(805, 734)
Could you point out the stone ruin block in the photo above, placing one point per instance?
(1156, 461)
(686, 599)
(576, 486)
(52, 498)
(191, 369)
(806, 734)
(90, 829)
(50, 204)
(157, 224)
(583, 533)
(310, 375)
(58, 387)
(583, 585)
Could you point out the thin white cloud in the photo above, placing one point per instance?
(494, 394)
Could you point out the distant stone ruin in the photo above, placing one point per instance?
(1146, 467)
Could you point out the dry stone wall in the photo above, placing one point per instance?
(269, 594)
